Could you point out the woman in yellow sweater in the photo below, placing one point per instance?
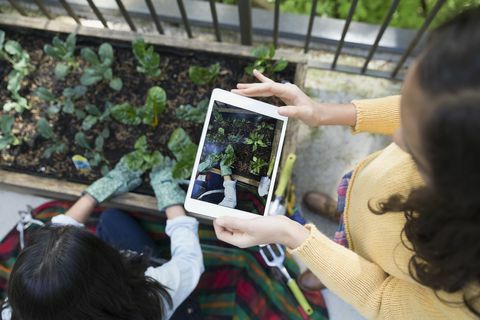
(412, 212)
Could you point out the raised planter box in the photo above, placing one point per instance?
(176, 56)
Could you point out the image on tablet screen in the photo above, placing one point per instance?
(237, 159)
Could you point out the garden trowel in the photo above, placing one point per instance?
(277, 208)
(265, 181)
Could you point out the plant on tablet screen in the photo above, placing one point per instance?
(265, 62)
(256, 165)
(255, 140)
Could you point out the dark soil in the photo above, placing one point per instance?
(174, 80)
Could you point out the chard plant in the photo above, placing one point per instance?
(7, 137)
(142, 159)
(155, 104)
(13, 53)
(148, 60)
(256, 165)
(194, 114)
(255, 140)
(94, 153)
(203, 75)
(265, 62)
(100, 68)
(64, 52)
(228, 156)
(184, 151)
(65, 103)
(57, 146)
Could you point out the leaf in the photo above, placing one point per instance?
(70, 42)
(280, 65)
(184, 151)
(108, 74)
(134, 160)
(138, 48)
(2, 38)
(141, 144)
(261, 52)
(105, 133)
(89, 79)
(155, 104)
(271, 51)
(194, 114)
(93, 110)
(99, 142)
(104, 170)
(75, 92)
(58, 148)
(80, 114)
(10, 106)
(202, 75)
(44, 129)
(105, 51)
(89, 122)
(13, 47)
(44, 94)
(5, 141)
(68, 107)
(61, 70)
(116, 84)
(125, 113)
(90, 56)
(53, 109)
(81, 140)
(6, 124)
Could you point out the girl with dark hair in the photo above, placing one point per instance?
(66, 272)
(411, 212)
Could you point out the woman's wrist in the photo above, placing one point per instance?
(174, 212)
(293, 233)
(336, 114)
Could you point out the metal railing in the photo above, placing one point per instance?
(246, 30)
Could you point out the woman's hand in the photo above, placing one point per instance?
(298, 104)
(245, 233)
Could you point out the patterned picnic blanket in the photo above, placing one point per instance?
(235, 285)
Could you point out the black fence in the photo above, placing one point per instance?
(246, 29)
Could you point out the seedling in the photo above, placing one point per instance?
(256, 140)
(65, 103)
(148, 60)
(184, 151)
(148, 114)
(94, 153)
(203, 75)
(100, 68)
(62, 51)
(256, 165)
(265, 62)
(93, 115)
(12, 52)
(235, 138)
(195, 114)
(45, 130)
(265, 126)
(228, 156)
(141, 159)
(7, 138)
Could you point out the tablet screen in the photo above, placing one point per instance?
(237, 159)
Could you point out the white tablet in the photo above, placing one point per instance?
(237, 158)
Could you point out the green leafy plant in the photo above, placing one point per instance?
(203, 75)
(184, 151)
(141, 159)
(100, 68)
(264, 62)
(94, 153)
(58, 146)
(195, 114)
(7, 137)
(255, 140)
(148, 60)
(265, 126)
(12, 52)
(93, 115)
(65, 103)
(256, 165)
(235, 138)
(228, 156)
(64, 52)
(148, 114)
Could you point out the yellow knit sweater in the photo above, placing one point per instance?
(373, 276)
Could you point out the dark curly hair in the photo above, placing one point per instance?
(68, 273)
(443, 217)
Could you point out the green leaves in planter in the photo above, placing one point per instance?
(148, 114)
(93, 115)
(94, 154)
(7, 138)
(148, 60)
(58, 146)
(256, 165)
(81, 140)
(202, 75)
(184, 151)
(255, 140)
(195, 114)
(100, 68)
(264, 62)
(62, 51)
(141, 159)
(44, 129)
(65, 103)
(12, 52)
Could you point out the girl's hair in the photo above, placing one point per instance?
(443, 217)
(68, 273)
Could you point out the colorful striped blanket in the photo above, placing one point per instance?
(235, 285)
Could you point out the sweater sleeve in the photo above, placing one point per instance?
(380, 115)
(364, 285)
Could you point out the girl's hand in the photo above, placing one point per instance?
(245, 233)
(298, 104)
